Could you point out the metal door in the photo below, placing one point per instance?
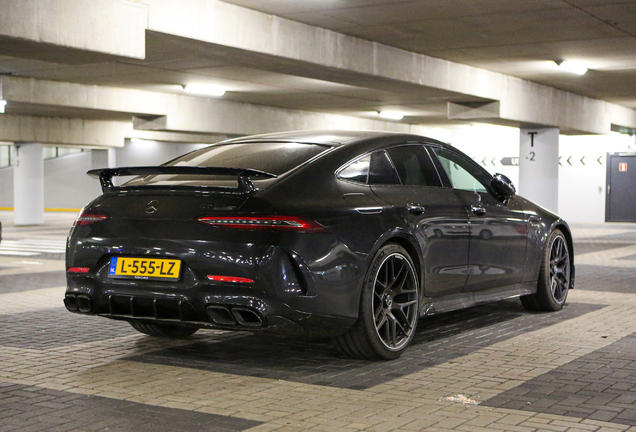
(620, 205)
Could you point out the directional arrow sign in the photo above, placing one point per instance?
(568, 160)
(582, 160)
(599, 160)
(493, 161)
(483, 161)
(510, 161)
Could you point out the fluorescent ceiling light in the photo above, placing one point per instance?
(574, 68)
(136, 140)
(3, 103)
(205, 89)
(392, 115)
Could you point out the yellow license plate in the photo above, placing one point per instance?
(144, 268)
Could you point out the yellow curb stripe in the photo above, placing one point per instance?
(48, 209)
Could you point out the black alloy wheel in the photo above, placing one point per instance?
(559, 270)
(388, 308)
(554, 277)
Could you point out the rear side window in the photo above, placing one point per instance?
(374, 168)
(275, 158)
(414, 165)
(357, 171)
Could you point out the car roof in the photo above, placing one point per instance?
(327, 137)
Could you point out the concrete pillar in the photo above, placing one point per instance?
(28, 184)
(539, 166)
(112, 158)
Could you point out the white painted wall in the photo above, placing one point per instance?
(582, 187)
(151, 153)
(66, 184)
(580, 200)
(487, 145)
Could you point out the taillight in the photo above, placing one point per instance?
(87, 218)
(78, 269)
(279, 223)
(229, 279)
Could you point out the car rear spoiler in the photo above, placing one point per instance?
(105, 175)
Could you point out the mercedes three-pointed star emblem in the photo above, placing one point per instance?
(152, 206)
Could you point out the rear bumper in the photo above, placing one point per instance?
(303, 283)
(207, 306)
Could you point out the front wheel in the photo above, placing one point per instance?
(163, 330)
(388, 308)
(554, 277)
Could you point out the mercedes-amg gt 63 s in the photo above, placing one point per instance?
(349, 235)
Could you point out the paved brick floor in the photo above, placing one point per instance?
(439, 339)
(600, 385)
(574, 370)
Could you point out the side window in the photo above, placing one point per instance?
(382, 172)
(414, 166)
(357, 170)
(372, 169)
(462, 174)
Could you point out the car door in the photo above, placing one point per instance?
(498, 230)
(436, 216)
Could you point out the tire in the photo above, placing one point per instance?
(554, 276)
(389, 308)
(163, 330)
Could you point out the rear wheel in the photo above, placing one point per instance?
(554, 276)
(388, 308)
(163, 330)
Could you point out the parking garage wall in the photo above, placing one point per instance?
(583, 174)
(66, 185)
(582, 169)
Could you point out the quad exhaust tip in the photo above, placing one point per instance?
(229, 316)
(78, 303)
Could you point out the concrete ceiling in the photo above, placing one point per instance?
(516, 37)
(280, 63)
(172, 62)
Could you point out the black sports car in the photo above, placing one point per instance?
(348, 235)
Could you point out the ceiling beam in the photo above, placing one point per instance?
(113, 27)
(165, 112)
(324, 54)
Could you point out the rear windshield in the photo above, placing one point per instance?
(275, 158)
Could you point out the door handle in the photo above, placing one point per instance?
(478, 210)
(415, 209)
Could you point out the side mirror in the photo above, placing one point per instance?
(503, 186)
